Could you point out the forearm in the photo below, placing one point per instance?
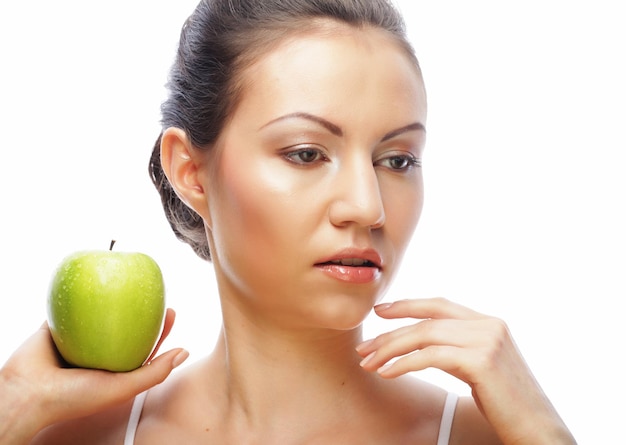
(554, 436)
(554, 433)
(544, 427)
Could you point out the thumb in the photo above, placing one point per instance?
(120, 386)
(107, 389)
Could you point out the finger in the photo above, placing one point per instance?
(426, 308)
(451, 359)
(367, 347)
(39, 347)
(108, 389)
(168, 323)
(418, 335)
(170, 317)
(151, 374)
(480, 347)
(404, 340)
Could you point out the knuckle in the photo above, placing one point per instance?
(383, 339)
(425, 328)
(440, 300)
(496, 340)
(499, 330)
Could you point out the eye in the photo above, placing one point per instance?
(400, 162)
(305, 155)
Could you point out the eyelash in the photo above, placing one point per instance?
(294, 156)
(409, 161)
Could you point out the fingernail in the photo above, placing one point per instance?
(385, 367)
(364, 345)
(367, 359)
(180, 358)
(382, 306)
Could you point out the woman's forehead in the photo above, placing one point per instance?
(326, 72)
(329, 33)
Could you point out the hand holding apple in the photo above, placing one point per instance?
(106, 308)
(32, 381)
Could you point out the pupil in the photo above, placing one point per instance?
(307, 155)
(398, 162)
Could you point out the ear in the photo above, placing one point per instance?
(181, 164)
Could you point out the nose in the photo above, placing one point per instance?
(357, 196)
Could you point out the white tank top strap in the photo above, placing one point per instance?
(445, 427)
(133, 420)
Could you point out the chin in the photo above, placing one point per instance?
(344, 313)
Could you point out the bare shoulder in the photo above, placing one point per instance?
(174, 409)
(414, 407)
(104, 428)
(470, 426)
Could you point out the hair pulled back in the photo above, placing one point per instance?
(217, 42)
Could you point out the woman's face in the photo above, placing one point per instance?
(316, 186)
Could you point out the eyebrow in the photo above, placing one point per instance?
(415, 126)
(337, 131)
(334, 129)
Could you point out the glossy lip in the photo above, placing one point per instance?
(370, 255)
(352, 274)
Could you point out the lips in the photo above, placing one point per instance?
(352, 265)
(357, 262)
(354, 257)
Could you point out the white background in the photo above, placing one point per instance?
(524, 168)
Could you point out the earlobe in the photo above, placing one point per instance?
(181, 167)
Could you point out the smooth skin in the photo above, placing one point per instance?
(320, 159)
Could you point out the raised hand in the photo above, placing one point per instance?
(477, 349)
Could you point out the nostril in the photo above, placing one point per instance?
(366, 211)
(357, 195)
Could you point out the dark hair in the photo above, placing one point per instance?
(217, 42)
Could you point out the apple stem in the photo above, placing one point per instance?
(112, 243)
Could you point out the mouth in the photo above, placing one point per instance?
(350, 262)
(357, 266)
(353, 270)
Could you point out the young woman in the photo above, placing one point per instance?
(290, 157)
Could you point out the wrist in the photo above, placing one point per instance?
(554, 433)
(19, 422)
(544, 426)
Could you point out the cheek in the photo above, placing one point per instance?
(255, 211)
(403, 208)
(242, 211)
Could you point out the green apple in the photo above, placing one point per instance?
(106, 309)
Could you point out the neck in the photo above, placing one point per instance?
(289, 374)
